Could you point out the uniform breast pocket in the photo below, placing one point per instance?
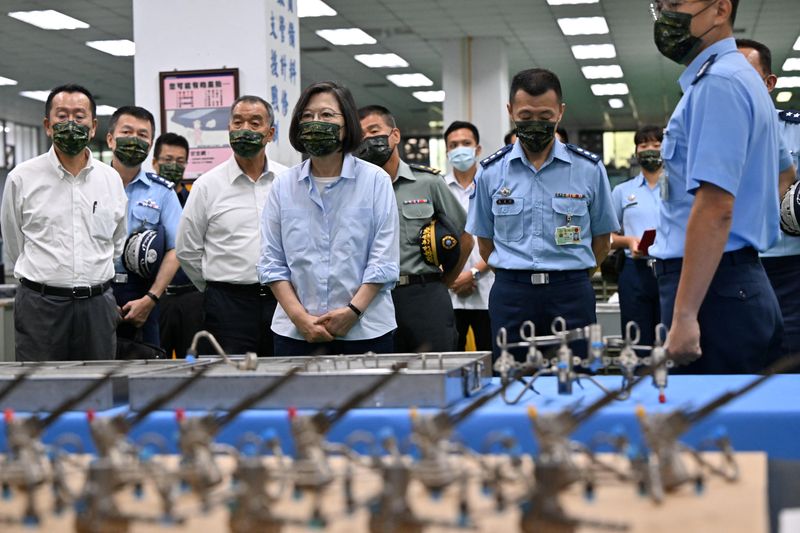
(144, 218)
(508, 218)
(668, 146)
(570, 212)
(101, 224)
(414, 217)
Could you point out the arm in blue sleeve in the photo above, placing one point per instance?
(601, 210)
(383, 262)
(480, 219)
(272, 264)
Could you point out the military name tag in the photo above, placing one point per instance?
(566, 235)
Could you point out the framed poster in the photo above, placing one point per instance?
(196, 104)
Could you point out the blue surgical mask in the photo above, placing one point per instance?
(462, 158)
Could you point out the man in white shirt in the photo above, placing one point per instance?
(470, 290)
(218, 241)
(63, 220)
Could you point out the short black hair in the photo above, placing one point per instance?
(562, 132)
(462, 125)
(170, 139)
(352, 125)
(134, 111)
(252, 99)
(379, 110)
(648, 133)
(764, 53)
(507, 138)
(535, 82)
(69, 88)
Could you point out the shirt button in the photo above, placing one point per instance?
(742, 294)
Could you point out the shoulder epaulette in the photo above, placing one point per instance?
(423, 168)
(161, 181)
(790, 116)
(594, 158)
(704, 68)
(497, 155)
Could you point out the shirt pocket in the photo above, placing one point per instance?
(295, 229)
(668, 146)
(414, 217)
(144, 218)
(101, 224)
(570, 212)
(508, 218)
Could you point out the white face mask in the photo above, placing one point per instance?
(462, 158)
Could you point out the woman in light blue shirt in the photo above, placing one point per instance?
(329, 236)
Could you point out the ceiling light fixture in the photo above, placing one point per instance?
(609, 89)
(598, 72)
(792, 63)
(346, 36)
(7, 81)
(429, 96)
(382, 60)
(49, 19)
(796, 44)
(118, 47)
(783, 96)
(105, 110)
(788, 82)
(594, 51)
(583, 26)
(410, 80)
(36, 95)
(314, 8)
(570, 2)
(616, 103)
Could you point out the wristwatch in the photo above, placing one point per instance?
(476, 274)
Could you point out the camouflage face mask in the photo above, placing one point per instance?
(650, 160)
(375, 150)
(131, 151)
(246, 143)
(70, 137)
(535, 135)
(673, 35)
(319, 138)
(171, 171)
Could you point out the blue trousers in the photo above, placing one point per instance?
(514, 299)
(638, 298)
(784, 275)
(740, 320)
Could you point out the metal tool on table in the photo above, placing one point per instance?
(249, 362)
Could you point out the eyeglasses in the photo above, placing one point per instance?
(326, 115)
(658, 6)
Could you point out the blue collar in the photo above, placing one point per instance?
(559, 151)
(719, 48)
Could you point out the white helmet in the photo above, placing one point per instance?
(790, 209)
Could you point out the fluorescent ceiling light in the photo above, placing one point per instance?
(346, 36)
(598, 72)
(594, 51)
(120, 47)
(49, 20)
(583, 26)
(429, 96)
(570, 2)
(36, 95)
(796, 44)
(783, 96)
(382, 60)
(792, 63)
(410, 80)
(609, 89)
(105, 110)
(616, 103)
(7, 81)
(314, 8)
(787, 82)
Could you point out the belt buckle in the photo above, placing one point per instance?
(540, 278)
(81, 293)
(263, 290)
(403, 280)
(120, 278)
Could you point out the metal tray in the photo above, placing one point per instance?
(430, 380)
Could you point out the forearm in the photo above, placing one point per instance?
(706, 235)
(619, 241)
(169, 266)
(365, 294)
(785, 180)
(285, 294)
(601, 244)
(485, 248)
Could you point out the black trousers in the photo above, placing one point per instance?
(478, 319)
(425, 318)
(784, 276)
(638, 299)
(239, 319)
(287, 346)
(180, 318)
(133, 290)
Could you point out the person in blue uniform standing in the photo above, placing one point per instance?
(636, 203)
(782, 260)
(152, 205)
(720, 200)
(542, 214)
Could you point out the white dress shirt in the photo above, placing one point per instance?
(63, 230)
(219, 236)
(479, 299)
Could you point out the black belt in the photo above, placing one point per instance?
(413, 279)
(177, 290)
(742, 256)
(76, 293)
(246, 289)
(536, 277)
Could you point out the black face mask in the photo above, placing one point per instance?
(535, 135)
(650, 160)
(673, 36)
(375, 150)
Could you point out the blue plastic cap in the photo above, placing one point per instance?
(190, 359)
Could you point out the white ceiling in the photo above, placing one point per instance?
(413, 29)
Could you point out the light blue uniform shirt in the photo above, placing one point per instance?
(519, 208)
(787, 245)
(152, 201)
(724, 131)
(636, 206)
(329, 242)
